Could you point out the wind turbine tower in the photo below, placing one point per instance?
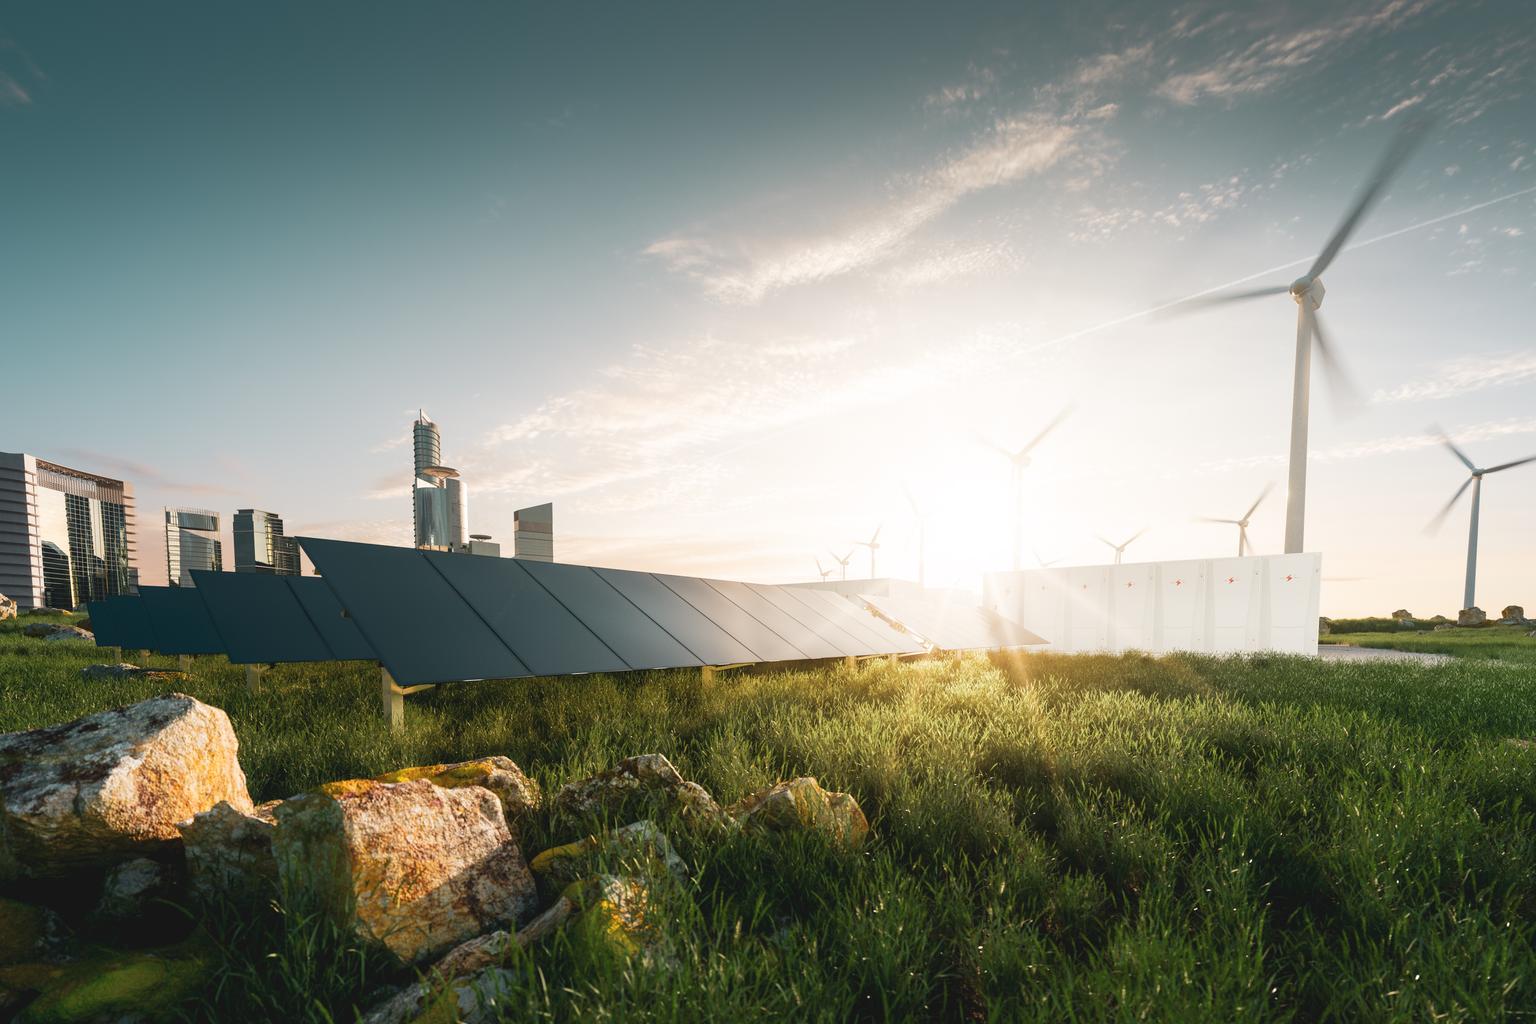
(1474, 481)
(1018, 461)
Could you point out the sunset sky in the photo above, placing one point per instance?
(721, 280)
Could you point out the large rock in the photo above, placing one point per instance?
(141, 902)
(635, 786)
(517, 792)
(802, 804)
(1473, 616)
(1324, 625)
(1402, 613)
(617, 919)
(1512, 615)
(29, 932)
(229, 853)
(7, 608)
(112, 785)
(71, 634)
(411, 866)
(635, 846)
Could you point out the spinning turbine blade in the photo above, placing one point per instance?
(1258, 501)
(1208, 519)
(1509, 465)
(1135, 535)
(1042, 435)
(877, 534)
(1392, 161)
(1222, 298)
(1340, 382)
(1434, 524)
(1446, 440)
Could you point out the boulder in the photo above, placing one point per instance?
(1324, 625)
(517, 792)
(139, 900)
(634, 786)
(31, 933)
(636, 845)
(802, 804)
(113, 785)
(1402, 613)
(7, 608)
(410, 866)
(1473, 616)
(1445, 626)
(1512, 615)
(616, 919)
(229, 853)
(123, 670)
(70, 633)
(37, 630)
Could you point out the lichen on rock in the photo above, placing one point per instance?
(517, 792)
(636, 786)
(638, 845)
(802, 804)
(229, 853)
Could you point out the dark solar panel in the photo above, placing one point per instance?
(814, 620)
(631, 633)
(259, 619)
(120, 622)
(339, 632)
(881, 637)
(179, 621)
(417, 624)
(705, 640)
(764, 643)
(803, 639)
(544, 634)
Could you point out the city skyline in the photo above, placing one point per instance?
(724, 314)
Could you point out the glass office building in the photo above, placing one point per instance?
(66, 536)
(533, 533)
(191, 542)
(260, 545)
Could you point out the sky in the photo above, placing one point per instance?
(734, 285)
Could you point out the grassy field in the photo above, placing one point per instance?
(1499, 643)
(1056, 838)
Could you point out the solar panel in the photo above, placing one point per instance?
(874, 634)
(259, 619)
(325, 613)
(804, 639)
(629, 632)
(763, 643)
(120, 621)
(179, 621)
(418, 625)
(705, 641)
(543, 633)
(952, 627)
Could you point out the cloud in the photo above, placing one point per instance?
(11, 92)
(978, 83)
(1011, 150)
(946, 261)
(140, 475)
(1460, 376)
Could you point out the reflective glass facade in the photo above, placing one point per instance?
(191, 542)
(260, 545)
(66, 536)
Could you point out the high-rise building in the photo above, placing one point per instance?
(191, 542)
(260, 545)
(66, 536)
(533, 533)
(439, 499)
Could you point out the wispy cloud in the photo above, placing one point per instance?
(138, 474)
(1011, 150)
(948, 260)
(978, 83)
(1463, 375)
(16, 69)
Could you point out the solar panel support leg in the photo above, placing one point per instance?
(707, 674)
(185, 661)
(394, 700)
(850, 662)
(253, 675)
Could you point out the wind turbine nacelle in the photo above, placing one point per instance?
(1309, 289)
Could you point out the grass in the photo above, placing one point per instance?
(1509, 644)
(1056, 838)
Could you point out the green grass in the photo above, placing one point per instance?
(1056, 838)
(1499, 643)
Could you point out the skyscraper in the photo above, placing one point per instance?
(191, 542)
(260, 545)
(533, 533)
(66, 536)
(439, 499)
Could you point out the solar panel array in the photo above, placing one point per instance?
(268, 619)
(438, 617)
(121, 622)
(179, 621)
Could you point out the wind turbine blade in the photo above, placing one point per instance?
(1200, 302)
(1106, 542)
(1446, 440)
(1048, 428)
(1340, 383)
(877, 534)
(912, 501)
(1135, 535)
(1208, 519)
(1392, 160)
(1509, 465)
(1258, 501)
(1434, 524)
(987, 442)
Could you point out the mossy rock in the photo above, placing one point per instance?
(637, 846)
(22, 928)
(142, 986)
(801, 804)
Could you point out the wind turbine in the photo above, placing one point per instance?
(1120, 548)
(824, 572)
(874, 545)
(1243, 547)
(1475, 481)
(922, 538)
(1307, 292)
(842, 561)
(1019, 460)
(1042, 563)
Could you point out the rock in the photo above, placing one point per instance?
(616, 919)
(112, 785)
(1521, 744)
(71, 633)
(1444, 626)
(37, 630)
(517, 792)
(31, 933)
(634, 846)
(229, 853)
(1402, 613)
(802, 804)
(123, 670)
(1324, 626)
(637, 785)
(109, 988)
(410, 866)
(140, 902)
(1473, 616)
(7, 608)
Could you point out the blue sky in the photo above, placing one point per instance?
(722, 280)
